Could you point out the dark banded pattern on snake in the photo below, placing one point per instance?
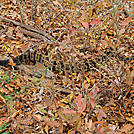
(57, 64)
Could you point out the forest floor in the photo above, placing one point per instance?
(34, 99)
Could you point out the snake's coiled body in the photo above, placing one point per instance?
(58, 64)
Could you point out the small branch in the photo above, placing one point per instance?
(20, 11)
(60, 36)
(64, 88)
(48, 37)
(32, 10)
(46, 41)
(92, 3)
(32, 34)
(107, 13)
(123, 101)
(5, 28)
(106, 77)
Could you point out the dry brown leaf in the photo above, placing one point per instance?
(11, 62)
(85, 24)
(89, 124)
(127, 127)
(121, 31)
(131, 119)
(2, 99)
(126, 21)
(15, 114)
(103, 35)
(46, 129)
(66, 99)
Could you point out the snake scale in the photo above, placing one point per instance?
(58, 63)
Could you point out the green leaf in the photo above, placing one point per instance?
(52, 118)
(61, 72)
(6, 133)
(44, 111)
(46, 10)
(60, 25)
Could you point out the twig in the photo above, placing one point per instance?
(33, 34)
(107, 13)
(32, 10)
(106, 77)
(115, 85)
(123, 101)
(5, 28)
(64, 88)
(60, 36)
(36, 46)
(92, 3)
(48, 37)
(18, 1)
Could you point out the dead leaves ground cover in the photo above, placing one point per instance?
(34, 100)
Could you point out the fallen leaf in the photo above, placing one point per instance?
(127, 127)
(103, 35)
(82, 107)
(46, 129)
(124, 1)
(85, 24)
(104, 42)
(78, 98)
(37, 117)
(95, 21)
(89, 33)
(53, 123)
(71, 132)
(131, 119)
(92, 102)
(84, 15)
(121, 31)
(11, 62)
(15, 114)
(66, 99)
(89, 124)
(2, 99)
(102, 113)
(69, 112)
(126, 21)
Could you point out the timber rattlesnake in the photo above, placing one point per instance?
(59, 64)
